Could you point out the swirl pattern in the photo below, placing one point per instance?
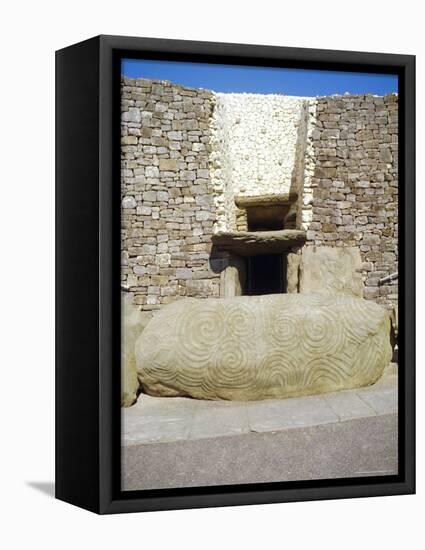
(258, 347)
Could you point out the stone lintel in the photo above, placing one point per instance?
(251, 243)
(282, 199)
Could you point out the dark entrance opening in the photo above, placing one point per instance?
(266, 218)
(265, 274)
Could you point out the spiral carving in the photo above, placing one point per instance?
(321, 334)
(263, 347)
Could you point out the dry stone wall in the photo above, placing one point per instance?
(167, 195)
(258, 148)
(187, 153)
(354, 146)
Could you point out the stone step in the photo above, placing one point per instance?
(164, 419)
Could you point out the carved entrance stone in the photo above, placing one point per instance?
(259, 347)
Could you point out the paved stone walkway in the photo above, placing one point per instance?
(180, 442)
(163, 419)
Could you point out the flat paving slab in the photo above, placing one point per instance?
(165, 419)
(182, 442)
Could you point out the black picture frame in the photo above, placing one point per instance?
(88, 275)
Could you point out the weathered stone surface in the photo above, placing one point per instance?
(331, 270)
(233, 279)
(277, 199)
(199, 288)
(247, 243)
(292, 273)
(129, 202)
(161, 420)
(166, 190)
(258, 347)
(169, 165)
(356, 204)
(195, 162)
(133, 322)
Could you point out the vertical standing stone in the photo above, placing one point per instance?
(292, 273)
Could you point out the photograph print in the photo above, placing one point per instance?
(259, 274)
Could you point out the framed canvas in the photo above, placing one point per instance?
(235, 274)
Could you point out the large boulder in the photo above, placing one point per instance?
(259, 347)
(133, 321)
(331, 270)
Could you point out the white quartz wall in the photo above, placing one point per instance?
(257, 147)
(306, 196)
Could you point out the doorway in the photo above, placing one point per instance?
(266, 274)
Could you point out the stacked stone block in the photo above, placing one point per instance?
(187, 153)
(355, 184)
(167, 196)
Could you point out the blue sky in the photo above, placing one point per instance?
(265, 80)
